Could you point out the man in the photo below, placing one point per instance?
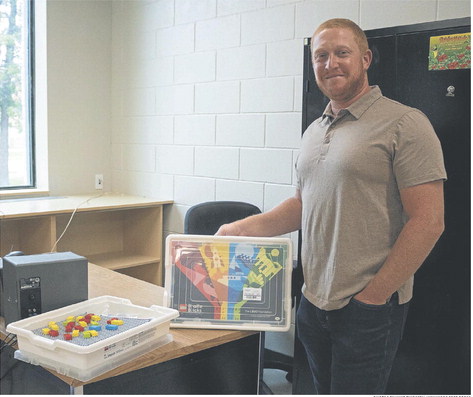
(369, 201)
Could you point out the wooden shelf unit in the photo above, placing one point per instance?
(118, 232)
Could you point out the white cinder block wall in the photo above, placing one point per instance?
(212, 88)
(207, 94)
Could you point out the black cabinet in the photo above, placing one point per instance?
(434, 356)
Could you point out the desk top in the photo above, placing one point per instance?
(185, 341)
(18, 208)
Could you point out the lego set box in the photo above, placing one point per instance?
(241, 283)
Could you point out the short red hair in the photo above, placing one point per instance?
(342, 23)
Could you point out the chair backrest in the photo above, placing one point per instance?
(206, 218)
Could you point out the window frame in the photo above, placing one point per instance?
(29, 100)
(30, 9)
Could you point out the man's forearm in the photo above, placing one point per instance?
(412, 247)
(284, 218)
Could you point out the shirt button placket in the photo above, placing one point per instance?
(326, 143)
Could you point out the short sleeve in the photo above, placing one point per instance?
(418, 156)
(296, 172)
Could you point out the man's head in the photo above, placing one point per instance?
(358, 33)
(341, 58)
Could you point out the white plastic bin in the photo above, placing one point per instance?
(86, 362)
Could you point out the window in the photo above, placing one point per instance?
(16, 94)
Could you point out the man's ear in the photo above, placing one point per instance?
(367, 58)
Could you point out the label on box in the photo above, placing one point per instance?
(117, 348)
(252, 294)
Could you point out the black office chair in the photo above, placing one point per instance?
(205, 219)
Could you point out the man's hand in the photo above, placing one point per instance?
(370, 301)
(229, 229)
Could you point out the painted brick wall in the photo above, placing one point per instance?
(207, 94)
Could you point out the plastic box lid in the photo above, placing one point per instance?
(241, 283)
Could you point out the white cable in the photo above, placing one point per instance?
(72, 216)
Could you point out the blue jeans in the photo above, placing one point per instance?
(351, 350)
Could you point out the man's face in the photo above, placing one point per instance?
(339, 66)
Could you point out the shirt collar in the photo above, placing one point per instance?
(359, 107)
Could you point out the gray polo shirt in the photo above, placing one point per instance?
(350, 170)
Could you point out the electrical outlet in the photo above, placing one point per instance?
(99, 181)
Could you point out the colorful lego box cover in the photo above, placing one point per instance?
(229, 282)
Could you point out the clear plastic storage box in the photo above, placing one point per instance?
(241, 283)
(143, 330)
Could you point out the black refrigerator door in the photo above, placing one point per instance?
(434, 355)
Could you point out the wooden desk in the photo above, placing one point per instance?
(227, 361)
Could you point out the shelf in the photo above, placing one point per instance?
(19, 208)
(119, 232)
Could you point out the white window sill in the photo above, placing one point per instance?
(22, 193)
